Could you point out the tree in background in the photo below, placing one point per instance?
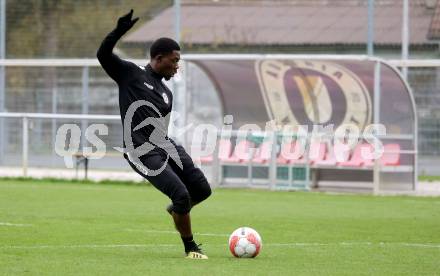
(67, 28)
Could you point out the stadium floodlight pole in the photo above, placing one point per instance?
(2, 76)
(370, 30)
(405, 37)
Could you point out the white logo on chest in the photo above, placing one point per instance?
(165, 98)
(149, 86)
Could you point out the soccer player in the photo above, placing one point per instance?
(146, 100)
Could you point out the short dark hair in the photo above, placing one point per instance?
(163, 46)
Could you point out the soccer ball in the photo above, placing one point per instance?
(245, 242)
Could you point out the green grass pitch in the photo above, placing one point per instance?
(62, 228)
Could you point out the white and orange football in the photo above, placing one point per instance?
(245, 242)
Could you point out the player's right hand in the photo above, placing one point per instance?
(125, 22)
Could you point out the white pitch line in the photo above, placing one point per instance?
(345, 244)
(85, 246)
(418, 245)
(67, 187)
(302, 244)
(174, 232)
(353, 244)
(15, 224)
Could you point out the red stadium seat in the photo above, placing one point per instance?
(330, 159)
(368, 163)
(356, 159)
(263, 153)
(241, 152)
(224, 150)
(206, 159)
(391, 155)
(289, 152)
(315, 153)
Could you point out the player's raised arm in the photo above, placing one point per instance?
(111, 63)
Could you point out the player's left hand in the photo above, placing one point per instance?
(125, 22)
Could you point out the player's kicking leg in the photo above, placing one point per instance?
(183, 225)
(198, 189)
(170, 184)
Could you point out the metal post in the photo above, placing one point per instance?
(2, 77)
(405, 37)
(85, 103)
(307, 176)
(25, 145)
(177, 97)
(249, 167)
(184, 100)
(180, 98)
(416, 154)
(3, 138)
(86, 167)
(216, 164)
(377, 69)
(177, 20)
(370, 31)
(180, 106)
(54, 121)
(273, 162)
(376, 120)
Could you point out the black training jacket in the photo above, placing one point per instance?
(138, 83)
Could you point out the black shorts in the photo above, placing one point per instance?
(185, 187)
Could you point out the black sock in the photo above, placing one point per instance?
(188, 242)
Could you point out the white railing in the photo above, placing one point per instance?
(95, 63)
(25, 126)
(415, 62)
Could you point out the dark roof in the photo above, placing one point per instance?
(290, 23)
